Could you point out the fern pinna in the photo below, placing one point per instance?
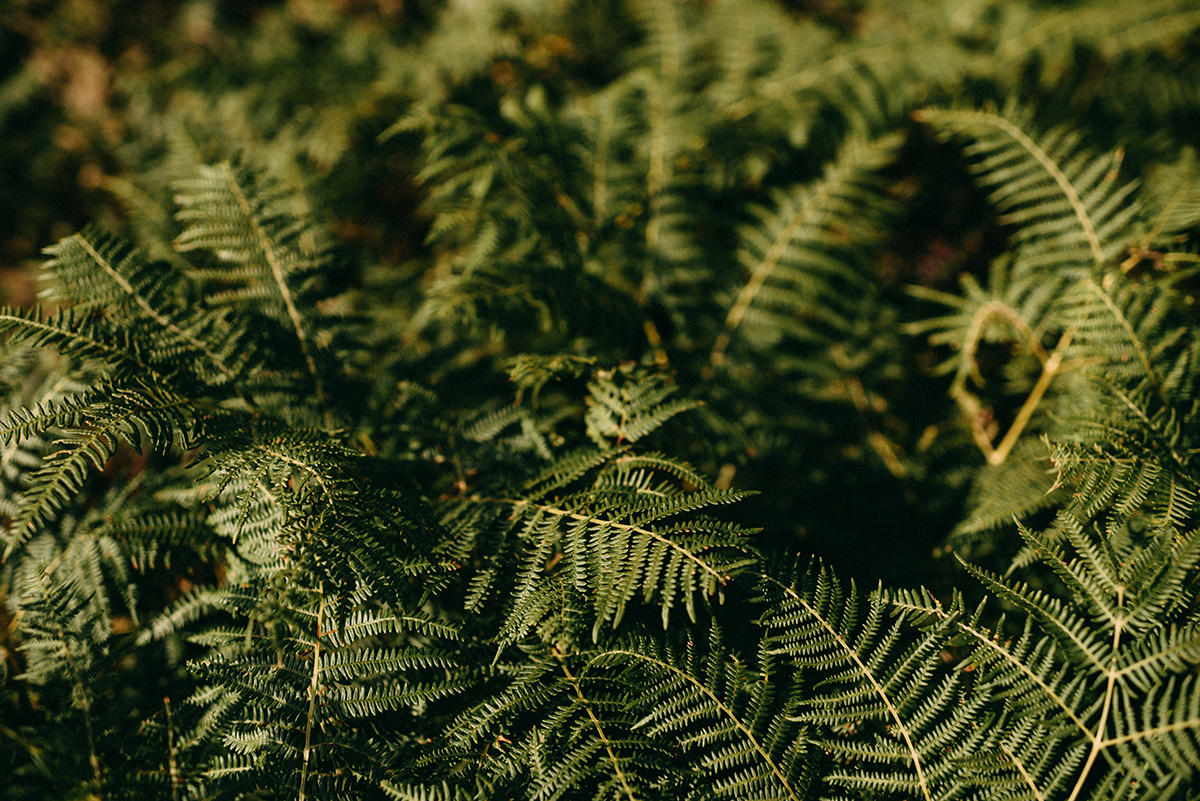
(513, 493)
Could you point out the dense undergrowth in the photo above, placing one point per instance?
(648, 399)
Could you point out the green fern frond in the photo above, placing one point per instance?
(1128, 610)
(256, 227)
(94, 269)
(735, 725)
(1065, 205)
(627, 410)
(797, 253)
(1113, 31)
(142, 417)
(76, 336)
(880, 697)
(616, 549)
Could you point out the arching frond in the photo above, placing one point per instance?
(736, 725)
(1067, 208)
(799, 255)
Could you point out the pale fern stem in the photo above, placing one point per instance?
(285, 293)
(893, 712)
(154, 314)
(991, 643)
(283, 457)
(1179, 725)
(978, 325)
(750, 290)
(1110, 686)
(313, 689)
(75, 335)
(1052, 365)
(1058, 700)
(1050, 370)
(612, 757)
(725, 710)
(1178, 651)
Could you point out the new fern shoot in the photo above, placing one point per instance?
(620, 400)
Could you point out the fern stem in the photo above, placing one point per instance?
(575, 685)
(75, 336)
(307, 468)
(893, 712)
(1110, 685)
(1050, 370)
(313, 688)
(1134, 736)
(1058, 700)
(1020, 766)
(750, 290)
(813, 211)
(1052, 365)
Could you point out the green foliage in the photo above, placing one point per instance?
(448, 400)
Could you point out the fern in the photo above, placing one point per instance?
(455, 409)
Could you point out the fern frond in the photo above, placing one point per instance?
(616, 549)
(1066, 207)
(627, 410)
(94, 269)
(876, 667)
(796, 254)
(253, 224)
(139, 416)
(735, 724)
(76, 336)
(1128, 603)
